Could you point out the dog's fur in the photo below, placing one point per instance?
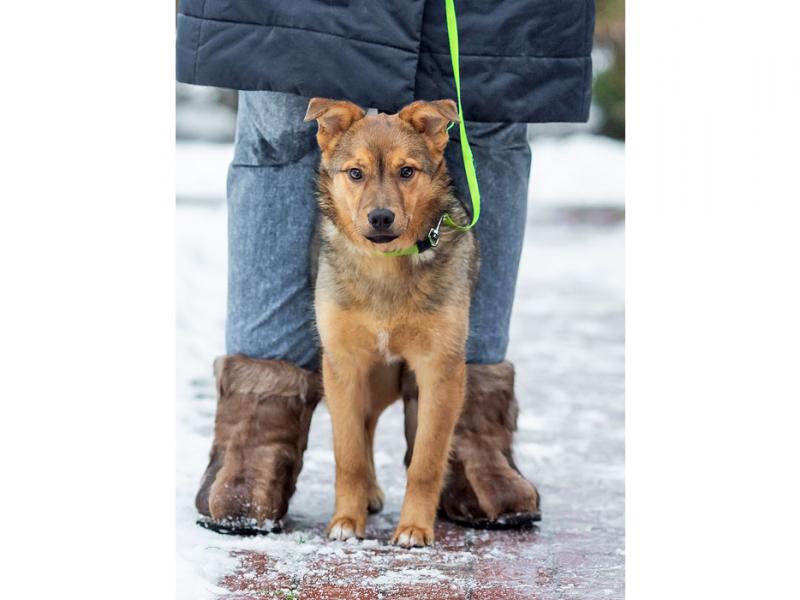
(377, 313)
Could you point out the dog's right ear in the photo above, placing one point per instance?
(333, 117)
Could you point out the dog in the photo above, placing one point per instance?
(383, 186)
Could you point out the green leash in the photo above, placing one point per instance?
(466, 152)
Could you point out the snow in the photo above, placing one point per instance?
(202, 171)
(578, 170)
(567, 342)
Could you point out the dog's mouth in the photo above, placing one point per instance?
(381, 239)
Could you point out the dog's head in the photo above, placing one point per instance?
(383, 177)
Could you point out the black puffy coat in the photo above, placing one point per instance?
(521, 60)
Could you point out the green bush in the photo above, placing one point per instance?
(609, 85)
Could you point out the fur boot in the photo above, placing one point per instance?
(483, 488)
(264, 412)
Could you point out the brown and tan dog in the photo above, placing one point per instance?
(383, 184)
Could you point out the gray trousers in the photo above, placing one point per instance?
(272, 213)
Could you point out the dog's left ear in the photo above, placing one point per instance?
(333, 117)
(431, 120)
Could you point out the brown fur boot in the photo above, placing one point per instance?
(261, 431)
(483, 488)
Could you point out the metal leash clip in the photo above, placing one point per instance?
(433, 234)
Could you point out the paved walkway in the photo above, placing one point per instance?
(568, 347)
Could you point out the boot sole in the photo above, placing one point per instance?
(512, 521)
(244, 527)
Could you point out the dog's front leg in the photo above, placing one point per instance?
(441, 382)
(345, 382)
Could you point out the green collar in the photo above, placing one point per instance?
(431, 241)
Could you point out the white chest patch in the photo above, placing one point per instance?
(383, 347)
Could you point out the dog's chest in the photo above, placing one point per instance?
(382, 340)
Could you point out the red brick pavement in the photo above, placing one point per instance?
(463, 564)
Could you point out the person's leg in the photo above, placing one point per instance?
(484, 487)
(267, 384)
(502, 162)
(272, 211)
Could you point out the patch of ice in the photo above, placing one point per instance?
(407, 577)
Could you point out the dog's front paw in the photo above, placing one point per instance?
(409, 536)
(344, 528)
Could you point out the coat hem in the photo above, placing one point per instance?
(554, 88)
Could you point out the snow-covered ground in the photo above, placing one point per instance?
(567, 342)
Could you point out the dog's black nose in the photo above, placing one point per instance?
(381, 219)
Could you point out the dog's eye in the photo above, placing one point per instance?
(355, 174)
(406, 172)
